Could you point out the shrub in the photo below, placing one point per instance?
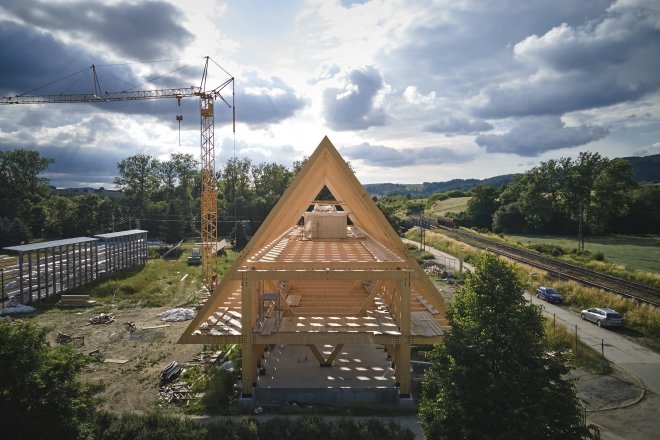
(154, 426)
(547, 248)
(219, 389)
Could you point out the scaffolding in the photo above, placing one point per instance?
(40, 270)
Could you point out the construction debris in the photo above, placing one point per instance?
(75, 301)
(103, 318)
(178, 314)
(179, 391)
(170, 371)
(76, 341)
(130, 327)
(115, 361)
(207, 358)
(18, 308)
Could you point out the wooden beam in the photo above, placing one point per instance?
(247, 320)
(404, 307)
(317, 354)
(334, 354)
(375, 290)
(402, 368)
(310, 338)
(301, 273)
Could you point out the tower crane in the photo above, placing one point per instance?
(208, 198)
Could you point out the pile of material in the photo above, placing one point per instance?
(103, 318)
(178, 314)
(179, 391)
(18, 308)
(75, 301)
(76, 341)
(172, 370)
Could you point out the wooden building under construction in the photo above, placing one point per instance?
(323, 274)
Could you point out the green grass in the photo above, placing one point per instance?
(641, 318)
(631, 251)
(155, 284)
(442, 207)
(560, 338)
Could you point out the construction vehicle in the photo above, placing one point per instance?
(195, 258)
(209, 199)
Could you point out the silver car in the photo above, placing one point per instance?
(603, 317)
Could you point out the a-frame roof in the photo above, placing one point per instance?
(325, 167)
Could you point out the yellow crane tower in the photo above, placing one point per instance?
(209, 192)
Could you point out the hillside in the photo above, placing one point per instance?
(646, 169)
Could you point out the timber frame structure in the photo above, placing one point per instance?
(286, 287)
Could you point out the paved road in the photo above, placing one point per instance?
(619, 349)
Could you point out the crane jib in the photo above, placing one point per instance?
(107, 97)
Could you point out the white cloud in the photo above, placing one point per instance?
(474, 82)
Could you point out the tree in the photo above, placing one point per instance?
(493, 378)
(40, 396)
(138, 179)
(18, 232)
(20, 180)
(481, 206)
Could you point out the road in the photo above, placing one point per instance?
(637, 422)
(619, 349)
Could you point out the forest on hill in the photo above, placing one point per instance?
(645, 169)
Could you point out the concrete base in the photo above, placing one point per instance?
(246, 401)
(406, 402)
(327, 396)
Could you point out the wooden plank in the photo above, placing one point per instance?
(115, 361)
(155, 326)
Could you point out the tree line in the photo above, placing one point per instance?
(586, 195)
(160, 196)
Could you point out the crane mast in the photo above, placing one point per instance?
(209, 191)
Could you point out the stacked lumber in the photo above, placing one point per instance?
(75, 301)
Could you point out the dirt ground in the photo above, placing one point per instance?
(616, 402)
(133, 385)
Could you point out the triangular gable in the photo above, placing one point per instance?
(324, 167)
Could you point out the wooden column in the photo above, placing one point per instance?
(402, 371)
(247, 350)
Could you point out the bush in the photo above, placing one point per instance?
(547, 248)
(219, 390)
(40, 395)
(109, 426)
(154, 426)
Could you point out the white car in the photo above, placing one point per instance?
(603, 317)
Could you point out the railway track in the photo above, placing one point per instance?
(561, 269)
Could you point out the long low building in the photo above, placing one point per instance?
(43, 269)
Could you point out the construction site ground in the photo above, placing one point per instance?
(617, 402)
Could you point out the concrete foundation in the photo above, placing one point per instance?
(326, 396)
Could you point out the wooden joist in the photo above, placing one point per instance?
(75, 301)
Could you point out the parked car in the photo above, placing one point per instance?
(603, 317)
(549, 294)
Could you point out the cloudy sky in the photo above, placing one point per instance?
(407, 91)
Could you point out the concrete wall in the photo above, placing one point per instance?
(326, 396)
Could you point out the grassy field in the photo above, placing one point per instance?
(442, 207)
(638, 252)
